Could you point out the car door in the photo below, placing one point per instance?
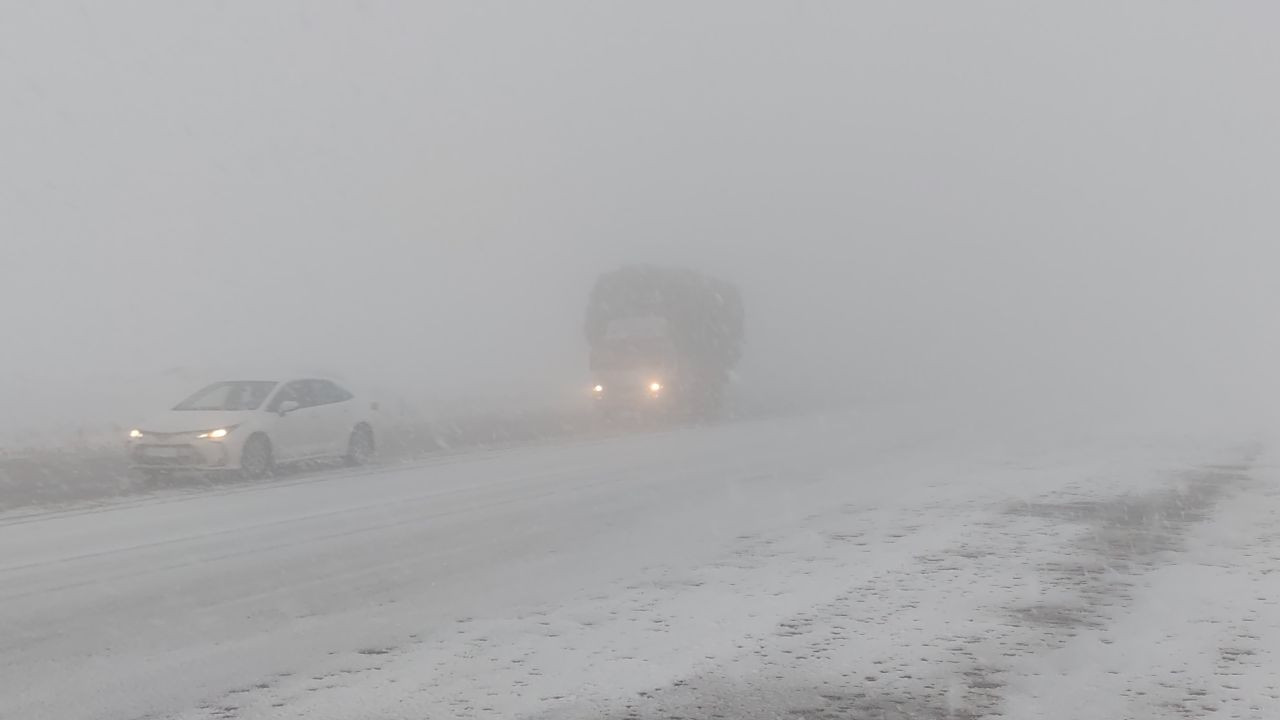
(334, 416)
(294, 434)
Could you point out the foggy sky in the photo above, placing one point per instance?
(979, 201)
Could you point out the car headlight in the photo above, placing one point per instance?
(598, 389)
(216, 434)
(135, 434)
(655, 386)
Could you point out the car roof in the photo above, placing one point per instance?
(278, 379)
(275, 378)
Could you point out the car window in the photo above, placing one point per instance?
(298, 391)
(325, 392)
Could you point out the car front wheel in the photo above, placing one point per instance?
(255, 458)
(360, 447)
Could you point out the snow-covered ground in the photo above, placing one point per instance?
(835, 566)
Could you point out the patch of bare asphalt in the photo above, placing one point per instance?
(833, 662)
(1121, 539)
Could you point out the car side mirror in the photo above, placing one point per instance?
(287, 407)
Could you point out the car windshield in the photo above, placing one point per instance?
(229, 396)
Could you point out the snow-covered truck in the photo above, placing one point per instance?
(662, 341)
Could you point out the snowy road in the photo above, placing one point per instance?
(818, 567)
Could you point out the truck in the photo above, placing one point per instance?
(663, 341)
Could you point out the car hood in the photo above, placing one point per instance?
(177, 421)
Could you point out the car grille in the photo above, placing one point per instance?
(164, 436)
(183, 455)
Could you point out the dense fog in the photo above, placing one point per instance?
(1066, 210)
(456, 294)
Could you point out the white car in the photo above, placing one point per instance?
(251, 426)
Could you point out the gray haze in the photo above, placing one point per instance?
(993, 204)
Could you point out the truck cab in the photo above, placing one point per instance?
(634, 367)
(662, 341)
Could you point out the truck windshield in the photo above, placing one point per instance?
(633, 328)
(628, 356)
